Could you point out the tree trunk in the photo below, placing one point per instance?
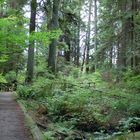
(30, 62)
(110, 57)
(67, 52)
(84, 57)
(78, 40)
(95, 32)
(122, 58)
(52, 48)
(134, 58)
(88, 36)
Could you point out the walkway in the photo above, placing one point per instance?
(12, 126)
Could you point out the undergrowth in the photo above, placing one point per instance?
(77, 107)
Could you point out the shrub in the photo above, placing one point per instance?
(129, 124)
(78, 107)
(134, 108)
(121, 105)
(134, 82)
(2, 79)
(25, 92)
(11, 76)
(42, 87)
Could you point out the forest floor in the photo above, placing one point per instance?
(12, 124)
(83, 107)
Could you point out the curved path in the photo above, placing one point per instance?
(12, 126)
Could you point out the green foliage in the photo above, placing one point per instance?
(24, 92)
(68, 98)
(49, 135)
(45, 37)
(12, 32)
(2, 79)
(73, 100)
(3, 58)
(21, 78)
(134, 108)
(12, 41)
(41, 88)
(62, 46)
(129, 124)
(121, 105)
(63, 130)
(11, 76)
(132, 80)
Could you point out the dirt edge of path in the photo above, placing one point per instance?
(35, 131)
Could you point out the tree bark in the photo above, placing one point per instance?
(122, 58)
(95, 32)
(88, 36)
(67, 52)
(53, 25)
(78, 40)
(30, 61)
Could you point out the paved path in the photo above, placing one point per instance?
(12, 126)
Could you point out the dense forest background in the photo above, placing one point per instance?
(74, 64)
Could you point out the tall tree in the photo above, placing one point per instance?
(123, 38)
(54, 24)
(88, 35)
(78, 37)
(30, 62)
(95, 33)
(11, 23)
